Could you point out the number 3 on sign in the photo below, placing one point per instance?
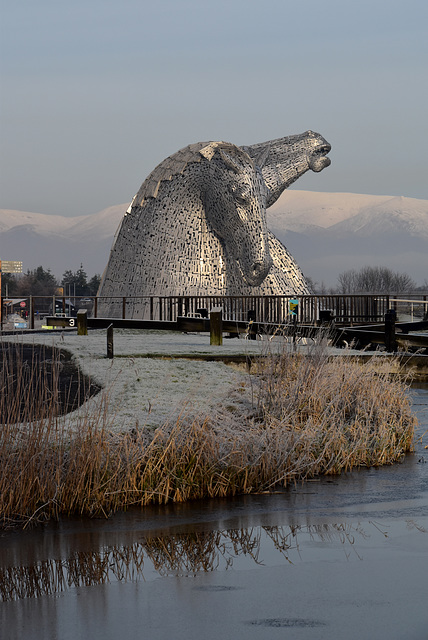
(71, 322)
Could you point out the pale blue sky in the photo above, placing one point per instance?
(94, 93)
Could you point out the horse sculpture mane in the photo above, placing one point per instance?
(168, 168)
(197, 225)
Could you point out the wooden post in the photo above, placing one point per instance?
(390, 318)
(216, 326)
(294, 321)
(31, 312)
(82, 322)
(110, 341)
(251, 317)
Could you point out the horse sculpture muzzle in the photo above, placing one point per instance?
(253, 255)
(258, 272)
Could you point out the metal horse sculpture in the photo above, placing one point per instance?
(197, 226)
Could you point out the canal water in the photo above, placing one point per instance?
(338, 557)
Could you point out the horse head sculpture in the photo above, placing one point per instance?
(197, 225)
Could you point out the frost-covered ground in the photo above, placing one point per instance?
(146, 391)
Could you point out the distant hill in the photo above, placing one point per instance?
(326, 233)
(58, 242)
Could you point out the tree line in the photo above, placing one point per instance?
(42, 282)
(368, 280)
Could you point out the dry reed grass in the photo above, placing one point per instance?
(299, 416)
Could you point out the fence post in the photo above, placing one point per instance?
(251, 318)
(110, 349)
(390, 318)
(31, 312)
(82, 322)
(216, 326)
(123, 308)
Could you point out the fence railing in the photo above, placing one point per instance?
(411, 308)
(345, 309)
(310, 309)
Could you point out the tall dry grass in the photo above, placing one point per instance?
(298, 416)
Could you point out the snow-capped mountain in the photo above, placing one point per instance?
(326, 232)
(58, 242)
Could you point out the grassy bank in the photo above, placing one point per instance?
(297, 417)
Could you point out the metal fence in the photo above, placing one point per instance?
(275, 309)
(410, 308)
(345, 309)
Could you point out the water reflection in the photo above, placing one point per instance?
(181, 554)
(333, 554)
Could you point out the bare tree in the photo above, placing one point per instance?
(374, 280)
(347, 281)
(319, 288)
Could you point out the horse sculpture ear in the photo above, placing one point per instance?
(229, 161)
(226, 155)
(262, 157)
(208, 151)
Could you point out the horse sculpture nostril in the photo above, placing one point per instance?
(258, 267)
(259, 270)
